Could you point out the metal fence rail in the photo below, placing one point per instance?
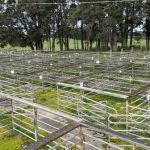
(79, 77)
(86, 140)
(134, 120)
(5, 116)
(35, 122)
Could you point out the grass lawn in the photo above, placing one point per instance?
(71, 45)
(47, 98)
(12, 141)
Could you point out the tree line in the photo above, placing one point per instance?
(102, 24)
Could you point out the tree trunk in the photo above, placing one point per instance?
(82, 37)
(61, 44)
(39, 44)
(77, 44)
(131, 37)
(67, 40)
(98, 43)
(50, 44)
(113, 40)
(53, 43)
(91, 43)
(147, 42)
(124, 43)
(125, 39)
(125, 33)
(32, 47)
(53, 36)
(66, 43)
(74, 44)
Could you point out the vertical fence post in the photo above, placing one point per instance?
(148, 99)
(110, 53)
(35, 124)
(80, 102)
(127, 114)
(134, 147)
(107, 123)
(35, 117)
(58, 98)
(12, 114)
(82, 138)
(132, 69)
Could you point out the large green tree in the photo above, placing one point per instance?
(147, 23)
(103, 23)
(28, 24)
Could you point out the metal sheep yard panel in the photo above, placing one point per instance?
(55, 68)
(81, 78)
(130, 116)
(35, 122)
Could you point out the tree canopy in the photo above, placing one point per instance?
(30, 23)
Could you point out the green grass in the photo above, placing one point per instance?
(117, 103)
(11, 141)
(141, 43)
(47, 98)
(9, 47)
